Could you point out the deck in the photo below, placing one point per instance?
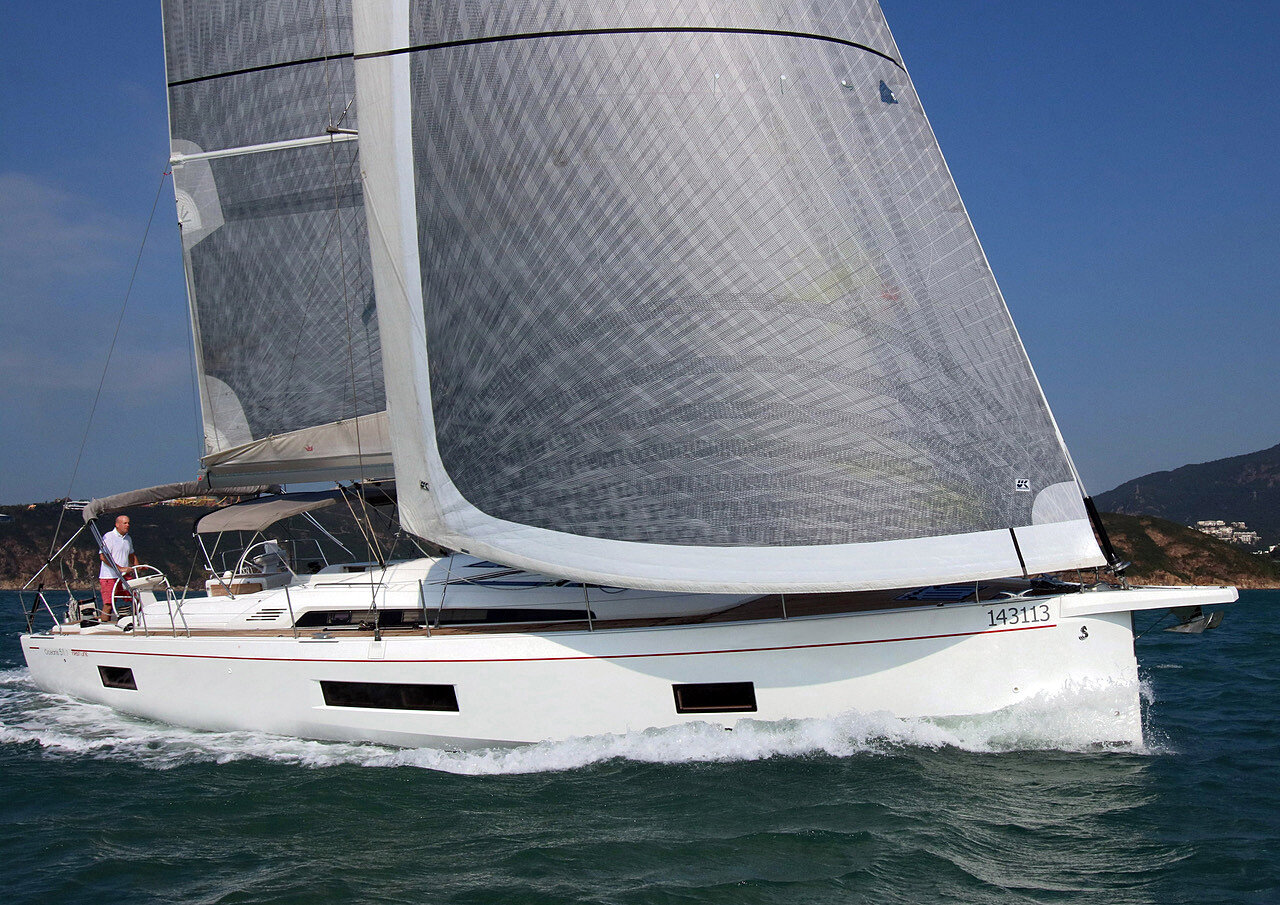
(766, 607)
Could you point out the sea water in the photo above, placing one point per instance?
(1016, 807)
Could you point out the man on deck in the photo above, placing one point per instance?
(119, 545)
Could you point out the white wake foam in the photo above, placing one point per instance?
(63, 727)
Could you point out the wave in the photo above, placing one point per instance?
(64, 727)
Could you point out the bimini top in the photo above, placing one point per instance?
(261, 513)
(257, 515)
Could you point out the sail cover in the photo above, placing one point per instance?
(681, 295)
(266, 175)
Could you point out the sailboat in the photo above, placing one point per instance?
(671, 329)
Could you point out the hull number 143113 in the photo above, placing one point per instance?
(1018, 615)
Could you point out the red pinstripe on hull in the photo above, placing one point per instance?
(691, 653)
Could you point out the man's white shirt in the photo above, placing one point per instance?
(120, 546)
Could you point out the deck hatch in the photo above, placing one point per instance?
(117, 677)
(716, 697)
(389, 695)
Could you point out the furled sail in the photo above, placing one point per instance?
(266, 173)
(681, 295)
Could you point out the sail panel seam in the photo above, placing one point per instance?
(577, 32)
(673, 29)
(265, 67)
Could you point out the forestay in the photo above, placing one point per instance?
(681, 295)
(266, 175)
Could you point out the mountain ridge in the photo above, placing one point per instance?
(1243, 488)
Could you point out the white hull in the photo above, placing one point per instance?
(512, 688)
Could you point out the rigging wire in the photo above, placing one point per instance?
(359, 523)
(1153, 625)
(345, 110)
(323, 55)
(186, 585)
(373, 586)
(336, 232)
(75, 471)
(194, 370)
(375, 547)
(304, 294)
(372, 367)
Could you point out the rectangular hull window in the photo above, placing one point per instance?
(117, 677)
(716, 697)
(390, 696)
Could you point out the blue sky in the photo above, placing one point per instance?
(1119, 162)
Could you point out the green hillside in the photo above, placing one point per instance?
(1165, 552)
(1239, 489)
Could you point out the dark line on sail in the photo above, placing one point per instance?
(1018, 549)
(674, 29)
(493, 39)
(1096, 520)
(266, 67)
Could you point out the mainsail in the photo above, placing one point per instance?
(266, 174)
(681, 295)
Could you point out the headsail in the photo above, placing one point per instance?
(266, 174)
(682, 295)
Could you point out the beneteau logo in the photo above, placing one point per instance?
(1022, 485)
(309, 448)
